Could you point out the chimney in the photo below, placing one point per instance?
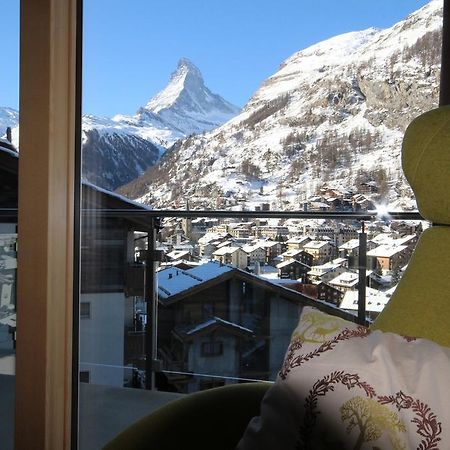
(8, 134)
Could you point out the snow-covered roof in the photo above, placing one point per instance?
(316, 244)
(183, 246)
(173, 281)
(346, 279)
(339, 261)
(289, 262)
(386, 251)
(319, 205)
(405, 239)
(350, 245)
(211, 237)
(252, 248)
(268, 272)
(298, 239)
(227, 250)
(283, 282)
(227, 243)
(178, 254)
(375, 300)
(324, 268)
(212, 322)
(293, 252)
(115, 195)
(179, 262)
(266, 244)
(382, 238)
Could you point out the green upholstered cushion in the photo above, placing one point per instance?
(213, 419)
(420, 306)
(426, 163)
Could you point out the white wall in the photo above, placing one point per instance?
(102, 338)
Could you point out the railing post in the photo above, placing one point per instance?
(151, 328)
(362, 271)
(444, 94)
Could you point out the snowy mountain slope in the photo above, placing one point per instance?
(333, 114)
(111, 159)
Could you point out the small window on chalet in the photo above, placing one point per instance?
(85, 310)
(214, 348)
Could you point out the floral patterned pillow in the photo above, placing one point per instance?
(343, 386)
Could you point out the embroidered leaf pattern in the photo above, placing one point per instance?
(292, 361)
(369, 414)
(426, 421)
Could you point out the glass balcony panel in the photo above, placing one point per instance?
(8, 282)
(207, 301)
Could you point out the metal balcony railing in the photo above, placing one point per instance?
(149, 221)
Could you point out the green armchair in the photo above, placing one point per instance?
(216, 418)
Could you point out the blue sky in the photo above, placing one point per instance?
(130, 48)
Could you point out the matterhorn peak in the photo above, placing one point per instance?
(187, 67)
(186, 104)
(187, 76)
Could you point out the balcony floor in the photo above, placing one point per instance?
(106, 410)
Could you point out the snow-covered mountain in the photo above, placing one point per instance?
(333, 114)
(186, 104)
(119, 149)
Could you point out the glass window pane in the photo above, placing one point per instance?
(9, 144)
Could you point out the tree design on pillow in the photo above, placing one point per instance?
(373, 420)
(370, 414)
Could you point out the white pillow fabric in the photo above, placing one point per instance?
(343, 386)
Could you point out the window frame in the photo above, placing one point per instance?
(50, 108)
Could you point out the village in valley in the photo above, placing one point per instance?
(318, 257)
